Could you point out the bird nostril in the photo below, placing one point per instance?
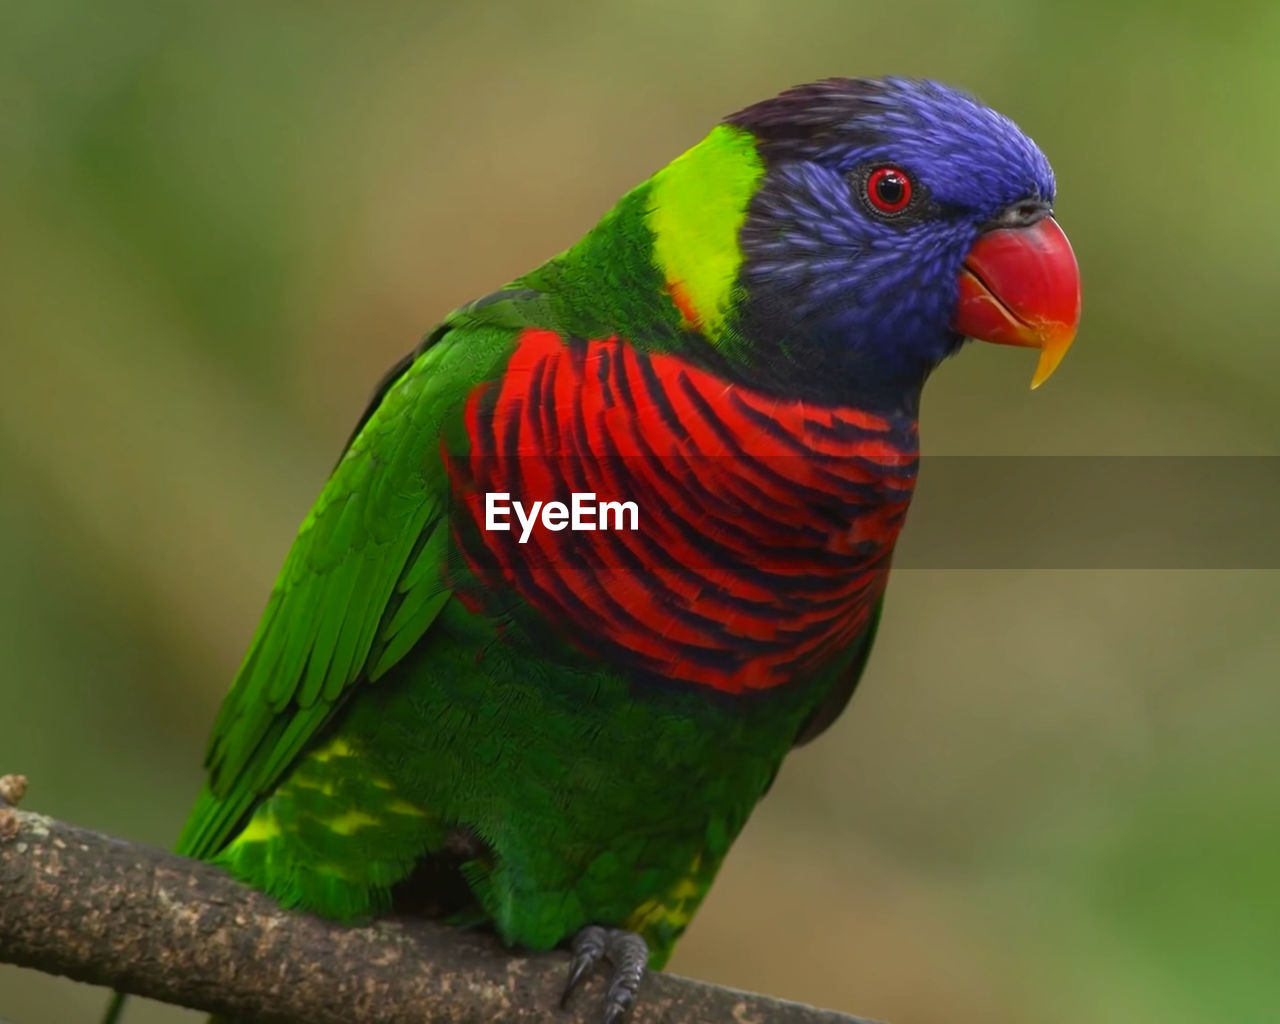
(1022, 214)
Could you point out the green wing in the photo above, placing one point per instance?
(360, 586)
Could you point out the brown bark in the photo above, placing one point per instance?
(103, 911)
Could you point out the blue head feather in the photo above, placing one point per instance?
(844, 303)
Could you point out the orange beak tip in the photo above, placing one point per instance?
(1052, 350)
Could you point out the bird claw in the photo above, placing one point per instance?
(627, 954)
(588, 950)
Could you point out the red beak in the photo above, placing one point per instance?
(1021, 286)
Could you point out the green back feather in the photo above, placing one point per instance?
(359, 587)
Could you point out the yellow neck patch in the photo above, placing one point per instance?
(698, 203)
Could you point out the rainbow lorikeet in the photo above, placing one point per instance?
(454, 705)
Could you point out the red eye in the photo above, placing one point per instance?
(889, 189)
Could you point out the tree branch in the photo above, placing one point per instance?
(100, 910)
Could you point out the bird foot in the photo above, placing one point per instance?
(627, 954)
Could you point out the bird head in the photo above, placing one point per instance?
(885, 222)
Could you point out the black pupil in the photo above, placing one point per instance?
(890, 188)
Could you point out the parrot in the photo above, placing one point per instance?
(459, 708)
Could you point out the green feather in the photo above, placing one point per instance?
(363, 537)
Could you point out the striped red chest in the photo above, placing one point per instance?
(763, 531)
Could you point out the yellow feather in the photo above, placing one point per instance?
(699, 203)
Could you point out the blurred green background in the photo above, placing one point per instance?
(1055, 798)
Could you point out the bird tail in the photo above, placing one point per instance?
(114, 1008)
